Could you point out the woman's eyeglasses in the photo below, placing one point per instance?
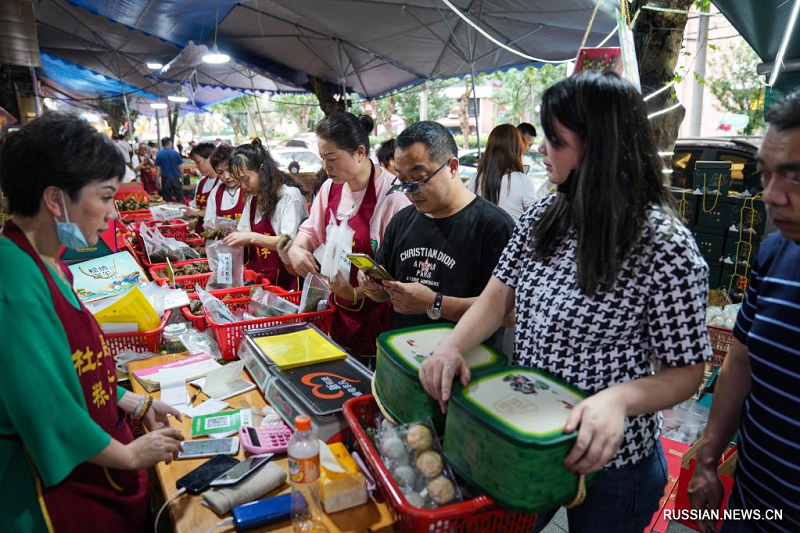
(411, 187)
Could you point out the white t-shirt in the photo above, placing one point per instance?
(290, 212)
(517, 193)
(228, 202)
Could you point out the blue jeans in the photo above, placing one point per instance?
(621, 500)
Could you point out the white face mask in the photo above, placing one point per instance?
(69, 234)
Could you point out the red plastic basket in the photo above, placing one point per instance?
(239, 295)
(188, 283)
(193, 239)
(148, 341)
(479, 514)
(175, 228)
(153, 268)
(721, 342)
(228, 336)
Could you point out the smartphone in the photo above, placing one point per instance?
(192, 449)
(260, 513)
(242, 470)
(368, 265)
(201, 477)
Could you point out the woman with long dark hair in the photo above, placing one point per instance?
(275, 206)
(610, 293)
(356, 192)
(501, 178)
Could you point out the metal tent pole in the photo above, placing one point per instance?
(477, 111)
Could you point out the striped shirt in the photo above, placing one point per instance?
(768, 471)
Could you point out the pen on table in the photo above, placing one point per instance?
(194, 397)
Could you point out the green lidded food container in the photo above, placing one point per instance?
(504, 434)
(400, 353)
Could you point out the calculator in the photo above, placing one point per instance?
(271, 439)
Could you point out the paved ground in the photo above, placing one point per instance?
(559, 525)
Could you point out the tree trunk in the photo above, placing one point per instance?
(172, 119)
(658, 37)
(463, 117)
(327, 102)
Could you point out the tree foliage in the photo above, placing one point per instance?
(738, 88)
(439, 104)
(114, 110)
(235, 112)
(521, 91)
(302, 109)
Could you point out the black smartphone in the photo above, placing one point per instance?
(201, 477)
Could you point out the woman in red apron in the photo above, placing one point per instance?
(72, 461)
(146, 169)
(228, 199)
(200, 154)
(356, 193)
(274, 208)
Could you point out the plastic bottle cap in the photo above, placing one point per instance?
(175, 330)
(302, 423)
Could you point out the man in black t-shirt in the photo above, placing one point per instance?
(443, 248)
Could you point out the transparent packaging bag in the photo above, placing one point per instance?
(315, 291)
(265, 304)
(226, 264)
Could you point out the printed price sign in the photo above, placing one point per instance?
(225, 269)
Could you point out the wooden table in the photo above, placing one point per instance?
(190, 516)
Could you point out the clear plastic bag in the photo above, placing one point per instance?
(338, 243)
(197, 342)
(315, 291)
(226, 264)
(264, 304)
(219, 228)
(218, 310)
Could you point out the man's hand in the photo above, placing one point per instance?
(705, 491)
(302, 261)
(409, 298)
(437, 372)
(372, 289)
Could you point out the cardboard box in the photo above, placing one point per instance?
(673, 450)
(726, 469)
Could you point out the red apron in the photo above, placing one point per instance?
(148, 175)
(357, 326)
(264, 260)
(91, 497)
(236, 211)
(201, 201)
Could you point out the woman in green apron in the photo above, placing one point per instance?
(65, 446)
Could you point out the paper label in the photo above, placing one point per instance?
(225, 269)
(304, 470)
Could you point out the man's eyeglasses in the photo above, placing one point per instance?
(411, 187)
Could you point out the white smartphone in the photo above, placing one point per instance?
(242, 470)
(193, 449)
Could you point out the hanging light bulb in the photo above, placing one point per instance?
(215, 57)
(155, 66)
(159, 105)
(177, 99)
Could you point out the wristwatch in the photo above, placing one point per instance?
(435, 311)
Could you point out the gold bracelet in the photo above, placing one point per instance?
(147, 404)
(355, 296)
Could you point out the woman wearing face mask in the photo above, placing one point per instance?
(274, 207)
(586, 268)
(200, 154)
(227, 200)
(355, 192)
(68, 459)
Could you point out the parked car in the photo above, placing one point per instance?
(689, 150)
(304, 140)
(468, 164)
(297, 160)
